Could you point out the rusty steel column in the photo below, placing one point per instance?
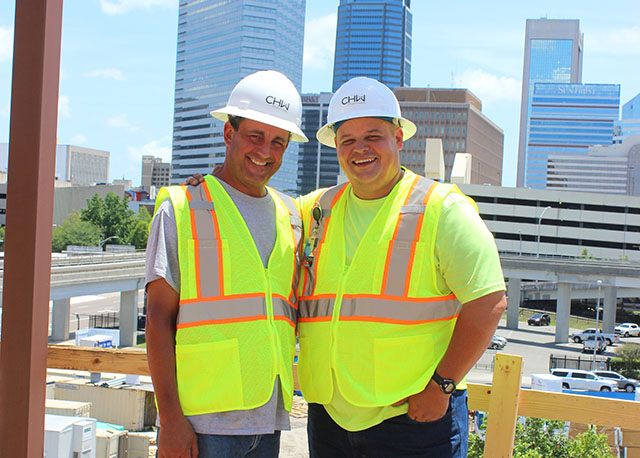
(27, 265)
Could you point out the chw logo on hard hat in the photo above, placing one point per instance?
(353, 99)
(271, 100)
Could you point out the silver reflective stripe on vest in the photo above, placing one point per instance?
(383, 309)
(398, 270)
(203, 213)
(222, 309)
(201, 205)
(315, 308)
(205, 311)
(283, 308)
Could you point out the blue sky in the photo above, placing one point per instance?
(118, 64)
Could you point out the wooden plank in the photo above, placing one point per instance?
(503, 406)
(580, 409)
(121, 361)
(478, 396)
(630, 438)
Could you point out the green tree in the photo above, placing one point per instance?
(75, 231)
(538, 438)
(2, 237)
(140, 229)
(112, 215)
(630, 356)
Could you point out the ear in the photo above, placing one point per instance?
(229, 132)
(399, 135)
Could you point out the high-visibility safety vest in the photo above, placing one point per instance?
(236, 320)
(380, 324)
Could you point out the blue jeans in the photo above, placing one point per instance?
(256, 446)
(395, 437)
(253, 446)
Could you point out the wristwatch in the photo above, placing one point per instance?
(447, 385)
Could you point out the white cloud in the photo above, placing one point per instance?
(157, 148)
(118, 121)
(319, 42)
(108, 73)
(489, 87)
(63, 107)
(623, 41)
(124, 6)
(79, 139)
(6, 43)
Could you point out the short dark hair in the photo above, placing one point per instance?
(234, 121)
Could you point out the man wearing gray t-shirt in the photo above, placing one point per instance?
(262, 115)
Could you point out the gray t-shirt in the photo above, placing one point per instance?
(162, 262)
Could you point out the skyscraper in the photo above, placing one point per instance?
(454, 116)
(629, 124)
(565, 119)
(373, 38)
(220, 42)
(552, 53)
(317, 164)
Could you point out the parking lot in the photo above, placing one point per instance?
(535, 344)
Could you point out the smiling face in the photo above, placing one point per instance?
(368, 152)
(254, 154)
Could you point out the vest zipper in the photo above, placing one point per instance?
(335, 315)
(270, 322)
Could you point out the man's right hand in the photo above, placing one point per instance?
(177, 440)
(194, 180)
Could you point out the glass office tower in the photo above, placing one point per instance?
(565, 119)
(552, 54)
(317, 164)
(373, 38)
(220, 42)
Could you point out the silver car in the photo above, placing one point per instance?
(627, 384)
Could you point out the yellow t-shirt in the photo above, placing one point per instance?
(467, 264)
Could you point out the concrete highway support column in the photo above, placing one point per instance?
(60, 319)
(609, 313)
(128, 318)
(513, 302)
(563, 309)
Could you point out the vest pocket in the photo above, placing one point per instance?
(313, 370)
(209, 377)
(401, 365)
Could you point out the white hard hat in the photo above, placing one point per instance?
(363, 97)
(268, 97)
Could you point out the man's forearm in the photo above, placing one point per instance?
(475, 326)
(160, 330)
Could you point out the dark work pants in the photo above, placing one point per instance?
(396, 437)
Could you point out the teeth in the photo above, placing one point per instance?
(364, 161)
(257, 162)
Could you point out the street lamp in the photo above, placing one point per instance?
(520, 236)
(597, 343)
(105, 240)
(539, 222)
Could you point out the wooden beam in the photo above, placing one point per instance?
(27, 266)
(503, 406)
(121, 361)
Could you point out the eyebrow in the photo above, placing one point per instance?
(375, 130)
(260, 132)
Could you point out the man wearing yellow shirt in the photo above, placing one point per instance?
(400, 293)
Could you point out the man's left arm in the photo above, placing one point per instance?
(476, 324)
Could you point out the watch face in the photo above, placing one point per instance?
(448, 386)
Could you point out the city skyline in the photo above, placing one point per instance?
(117, 88)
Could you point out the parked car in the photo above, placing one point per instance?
(589, 344)
(627, 329)
(539, 319)
(497, 342)
(580, 336)
(627, 384)
(575, 379)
